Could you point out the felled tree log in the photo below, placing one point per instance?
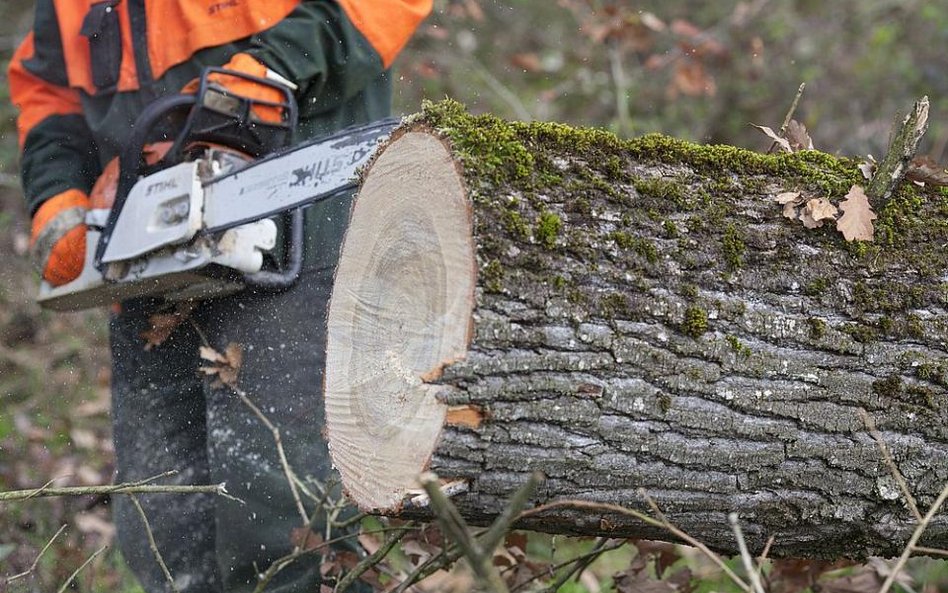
(626, 315)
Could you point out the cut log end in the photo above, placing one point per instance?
(408, 268)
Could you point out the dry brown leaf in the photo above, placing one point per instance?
(815, 211)
(924, 169)
(162, 325)
(789, 196)
(790, 210)
(856, 222)
(305, 539)
(867, 168)
(808, 220)
(226, 366)
(790, 201)
(798, 137)
(782, 142)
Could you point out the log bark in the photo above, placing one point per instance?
(626, 315)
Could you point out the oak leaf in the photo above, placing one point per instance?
(924, 169)
(815, 211)
(856, 222)
(780, 140)
(790, 200)
(798, 137)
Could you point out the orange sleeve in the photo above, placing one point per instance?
(35, 98)
(387, 24)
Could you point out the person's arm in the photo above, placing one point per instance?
(333, 49)
(58, 160)
(56, 148)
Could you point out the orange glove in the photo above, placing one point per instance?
(246, 64)
(58, 237)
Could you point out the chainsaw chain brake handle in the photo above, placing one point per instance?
(213, 115)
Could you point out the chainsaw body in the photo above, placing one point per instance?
(199, 222)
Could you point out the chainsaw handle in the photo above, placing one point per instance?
(130, 160)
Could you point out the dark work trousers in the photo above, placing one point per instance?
(168, 416)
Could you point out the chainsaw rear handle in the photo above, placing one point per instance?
(215, 116)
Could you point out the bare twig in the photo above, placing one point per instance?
(372, 559)
(890, 463)
(457, 529)
(789, 116)
(429, 567)
(692, 541)
(479, 553)
(910, 546)
(126, 488)
(290, 474)
(662, 523)
(901, 150)
(763, 556)
(931, 551)
(76, 572)
(579, 564)
(753, 571)
(38, 556)
(152, 545)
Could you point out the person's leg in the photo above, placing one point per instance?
(282, 337)
(158, 413)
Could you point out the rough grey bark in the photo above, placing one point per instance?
(645, 317)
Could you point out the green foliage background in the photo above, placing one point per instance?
(696, 70)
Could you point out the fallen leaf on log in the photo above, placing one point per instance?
(817, 210)
(924, 169)
(856, 222)
(798, 137)
(780, 140)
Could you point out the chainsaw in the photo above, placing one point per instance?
(197, 217)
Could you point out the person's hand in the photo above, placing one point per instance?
(58, 236)
(242, 87)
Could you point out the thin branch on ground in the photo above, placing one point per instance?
(890, 463)
(931, 551)
(916, 535)
(763, 556)
(33, 566)
(427, 568)
(750, 567)
(372, 559)
(579, 565)
(479, 553)
(291, 477)
(152, 544)
(125, 488)
(76, 572)
(662, 522)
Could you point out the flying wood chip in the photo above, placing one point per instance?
(856, 222)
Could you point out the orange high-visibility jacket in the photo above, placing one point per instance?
(88, 67)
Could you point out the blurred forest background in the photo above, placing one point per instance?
(702, 71)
